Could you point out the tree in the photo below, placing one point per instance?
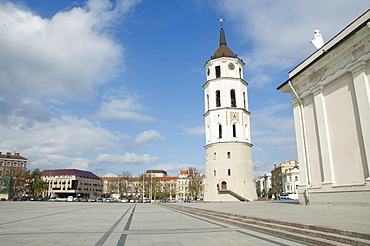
(125, 182)
(18, 185)
(37, 185)
(195, 183)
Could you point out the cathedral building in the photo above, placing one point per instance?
(229, 167)
(331, 105)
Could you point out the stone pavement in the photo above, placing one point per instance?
(72, 223)
(349, 218)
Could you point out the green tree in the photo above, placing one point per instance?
(195, 183)
(37, 185)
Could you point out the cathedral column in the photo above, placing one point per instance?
(362, 92)
(324, 139)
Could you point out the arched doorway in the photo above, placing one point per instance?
(223, 185)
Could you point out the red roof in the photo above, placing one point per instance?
(72, 172)
(10, 156)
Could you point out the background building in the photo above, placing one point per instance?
(72, 182)
(13, 175)
(331, 105)
(229, 167)
(278, 172)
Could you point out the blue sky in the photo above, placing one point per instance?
(112, 86)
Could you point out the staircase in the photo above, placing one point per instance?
(310, 234)
(234, 194)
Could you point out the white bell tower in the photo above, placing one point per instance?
(229, 167)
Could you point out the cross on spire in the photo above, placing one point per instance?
(221, 20)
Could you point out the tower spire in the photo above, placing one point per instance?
(222, 32)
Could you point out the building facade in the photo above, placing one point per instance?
(291, 181)
(331, 105)
(277, 175)
(229, 167)
(72, 182)
(12, 175)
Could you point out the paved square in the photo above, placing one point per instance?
(70, 223)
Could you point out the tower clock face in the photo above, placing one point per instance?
(231, 66)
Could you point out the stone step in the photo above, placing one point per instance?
(310, 234)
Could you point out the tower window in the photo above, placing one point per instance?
(218, 98)
(228, 172)
(245, 106)
(207, 102)
(233, 99)
(234, 130)
(220, 131)
(240, 73)
(214, 155)
(214, 173)
(228, 155)
(218, 71)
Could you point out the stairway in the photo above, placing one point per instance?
(310, 234)
(234, 194)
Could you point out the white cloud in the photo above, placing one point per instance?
(128, 158)
(63, 57)
(280, 31)
(196, 131)
(122, 108)
(149, 136)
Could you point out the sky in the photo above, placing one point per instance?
(110, 86)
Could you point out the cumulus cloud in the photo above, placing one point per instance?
(123, 107)
(63, 57)
(280, 31)
(149, 136)
(128, 158)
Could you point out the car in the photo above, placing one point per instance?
(100, 200)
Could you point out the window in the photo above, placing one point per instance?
(232, 96)
(8, 164)
(240, 73)
(234, 130)
(214, 156)
(15, 164)
(219, 131)
(207, 102)
(228, 172)
(214, 173)
(228, 155)
(218, 98)
(218, 71)
(296, 178)
(245, 106)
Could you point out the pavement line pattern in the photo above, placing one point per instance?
(109, 232)
(42, 216)
(123, 237)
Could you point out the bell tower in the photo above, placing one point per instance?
(229, 167)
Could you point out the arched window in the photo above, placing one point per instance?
(228, 172)
(214, 155)
(219, 131)
(214, 173)
(218, 98)
(233, 99)
(207, 102)
(218, 71)
(234, 130)
(246, 132)
(245, 106)
(228, 155)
